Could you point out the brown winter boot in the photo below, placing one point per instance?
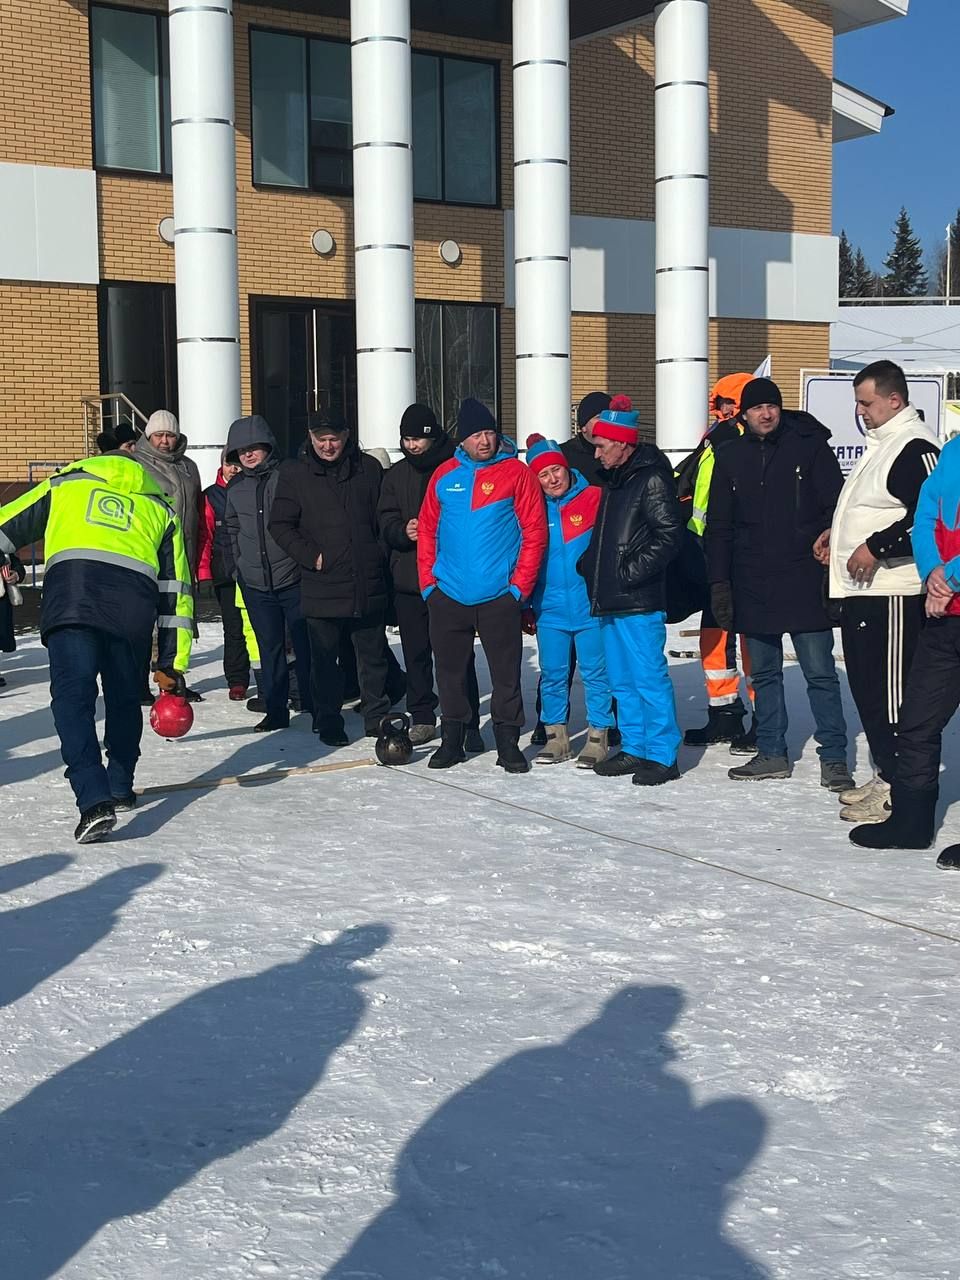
(558, 745)
(595, 750)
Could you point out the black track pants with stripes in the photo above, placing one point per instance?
(880, 635)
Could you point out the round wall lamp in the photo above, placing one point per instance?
(323, 242)
(450, 253)
(165, 230)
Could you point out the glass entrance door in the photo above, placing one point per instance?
(306, 362)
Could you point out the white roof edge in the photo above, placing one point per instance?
(851, 15)
(856, 114)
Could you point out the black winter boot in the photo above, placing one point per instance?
(473, 742)
(450, 751)
(910, 825)
(539, 736)
(509, 755)
(95, 823)
(745, 744)
(949, 860)
(724, 724)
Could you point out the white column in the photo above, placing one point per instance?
(541, 197)
(205, 225)
(682, 222)
(383, 217)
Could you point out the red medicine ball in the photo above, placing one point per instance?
(170, 716)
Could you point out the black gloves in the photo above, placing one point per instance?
(170, 681)
(721, 604)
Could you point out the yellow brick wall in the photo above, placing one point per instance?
(771, 126)
(48, 350)
(770, 166)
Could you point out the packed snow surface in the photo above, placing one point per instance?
(379, 1024)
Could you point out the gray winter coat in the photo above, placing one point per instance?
(261, 563)
(179, 478)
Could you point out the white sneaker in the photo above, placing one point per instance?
(854, 795)
(876, 808)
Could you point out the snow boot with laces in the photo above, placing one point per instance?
(558, 745)
(595, 750)
(724, 724)
(761, 768)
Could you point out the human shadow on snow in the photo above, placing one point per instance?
(40, 940)
(119, 1131)
(16, 875)
(586, 1158)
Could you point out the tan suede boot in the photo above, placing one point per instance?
(558, 745)
(595, 750)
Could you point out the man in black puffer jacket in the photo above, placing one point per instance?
(325, 517)
(425, 446)
(637, 533)
(773, 493)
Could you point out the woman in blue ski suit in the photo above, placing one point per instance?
(561, 608)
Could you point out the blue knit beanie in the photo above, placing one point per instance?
(473, 417)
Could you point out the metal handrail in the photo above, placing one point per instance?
(100, 413)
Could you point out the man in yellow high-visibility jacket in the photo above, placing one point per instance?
(115, 565)
(718, 648)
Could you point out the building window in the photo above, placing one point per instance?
(302, 120)
(456, 357)
(131, 90)
(454, 130)
(138, 344)
(302, 131)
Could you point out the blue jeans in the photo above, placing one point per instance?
(639, 678)
(814, 651)
(272, 615)
(555, 645)
(78, 655)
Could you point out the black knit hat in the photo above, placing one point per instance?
(590, 406)
(760, 391)
(325, 424)
(472, 417)
(419, 422)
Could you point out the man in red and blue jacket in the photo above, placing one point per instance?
(481, 536)
(561, 608)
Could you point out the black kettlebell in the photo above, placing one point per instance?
(394, 745)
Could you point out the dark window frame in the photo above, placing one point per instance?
(496, 308)
(348, 192)
(165, 172)
(168, 299)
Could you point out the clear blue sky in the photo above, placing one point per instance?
(909, 63)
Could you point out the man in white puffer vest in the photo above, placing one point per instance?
(872, 571)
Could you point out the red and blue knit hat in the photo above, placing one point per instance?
(620, 422)
(542, 452)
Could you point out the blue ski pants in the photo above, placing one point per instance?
(633, 644)
(555, 644)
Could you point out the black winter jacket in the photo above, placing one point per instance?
(401, 498)
(260, 562)
(580, 455)
(330, 510)
(770, 498)
(638, 532)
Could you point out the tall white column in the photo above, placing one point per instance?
(541, 198)
(383, 217)
(682, 222)
(205, 224)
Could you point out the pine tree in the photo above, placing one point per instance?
(846, 267)
(864, 282)
(905, 276)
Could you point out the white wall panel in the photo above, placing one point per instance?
(754, 275)
(48, 218)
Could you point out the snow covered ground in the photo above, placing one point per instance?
(400, 1025)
